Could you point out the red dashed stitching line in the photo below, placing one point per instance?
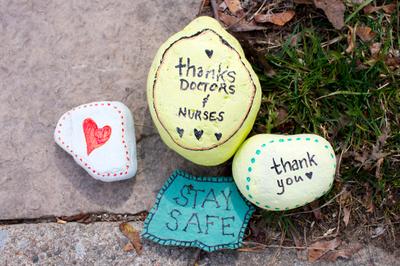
(85, 163)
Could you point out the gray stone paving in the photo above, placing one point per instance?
(102, 244)
(55, 55)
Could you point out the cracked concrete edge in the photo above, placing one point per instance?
(102, 244)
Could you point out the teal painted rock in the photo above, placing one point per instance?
(195, 211)
(283, 172)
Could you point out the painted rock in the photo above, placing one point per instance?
(100, 136)
(202, 93)
(278, 172)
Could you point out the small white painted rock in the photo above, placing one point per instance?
(203, 94)
(100, 136)
(282, 172)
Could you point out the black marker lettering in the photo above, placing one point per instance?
(173, 217)
(194, 215)
(227, 225)
(227, 198)
(281, 185)
(212, 199)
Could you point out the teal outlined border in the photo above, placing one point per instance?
(195, 243)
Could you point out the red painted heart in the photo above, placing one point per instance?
(95, 137)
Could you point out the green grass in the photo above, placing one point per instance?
(349, 98)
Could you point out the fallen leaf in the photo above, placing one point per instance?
(393, 62)
(319, 248)
(375, 48)
(367, 199)
(389, 9)
(334, 11)
(294, 40)
(316, 211)
(365, 33)
(227, 19)
(282, 115)
(128, 247)
(84, 218)
(345, 253)
(378, 170)
(345, 197)
(60, 221)
(234, 6)
(133, 235)
(346, 215)
(351, 40)
(279, 19)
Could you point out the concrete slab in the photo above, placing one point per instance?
(102, 244)
(55, 55)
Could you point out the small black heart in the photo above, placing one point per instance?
(209, 53)
(180, 131)
(309, 175)
(198, 133)
(218, 135)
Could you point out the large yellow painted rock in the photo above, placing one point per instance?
(202, 93)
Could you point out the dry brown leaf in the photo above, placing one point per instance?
(133, 235)
(294, 40)
(365, 33)
(316, 211)
(128, 247)
(60, 221)
(319, 248)
(346, 215)
(345, 253)
(345, 197)
(351, 40)
(334, 11)
(389, 9)
(228, 20)
(282, 115)
(367, 199)
(79, 218)
(369, 9)
(234, 6)
(393, 62)
(378, 170)
(375, 48)
(279, 19)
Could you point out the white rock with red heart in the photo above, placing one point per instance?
(100, 136)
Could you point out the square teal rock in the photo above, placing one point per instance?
(204, 212)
